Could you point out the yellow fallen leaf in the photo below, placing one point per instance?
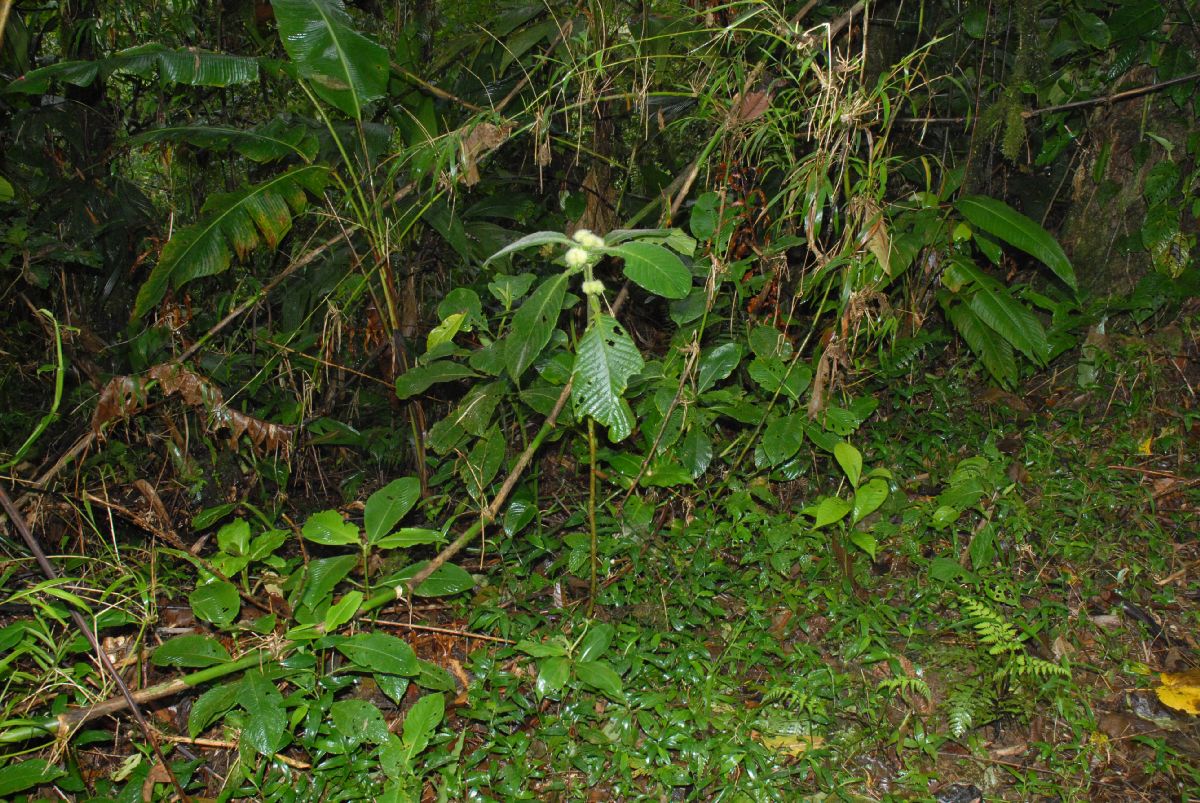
(1145, 446)
(1180, 691)
(794, 745)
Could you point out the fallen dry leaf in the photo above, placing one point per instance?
(1180, 691)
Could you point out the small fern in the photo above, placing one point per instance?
(908, 686)
(1010, 680)
(797, 701)
(993, 630)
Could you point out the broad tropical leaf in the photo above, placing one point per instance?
(180, 66)
(235, 222)
(993, 350)
(1001, 220)
(533, 324)
(655, 269)
(388, 505)
(271, 142)
(604, 362)
(1014, 322)
(347, 70)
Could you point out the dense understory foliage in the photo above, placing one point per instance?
(518, 313)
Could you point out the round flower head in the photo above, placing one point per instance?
(588, 240)
(595, 287)
(576, 258)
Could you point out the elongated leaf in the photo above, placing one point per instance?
(274, 141)
(604, 363)
(236, 222)
(420, 722)
(655, 268)
(850, 459)
(1001, 220)
(717, 363)
(388, 505)
(181, 66)
(210, 705)
(26, 774)
(991, 302)
(266, 718)
(347, 70)
(530, 240)
(993, 351)
(600, 676)
(420, 378)
(380, 652)
(533, 324)
(192, 649)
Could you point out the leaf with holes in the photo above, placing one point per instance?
(604, 363)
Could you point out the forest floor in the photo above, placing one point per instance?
(1035, 571)
(998, 630)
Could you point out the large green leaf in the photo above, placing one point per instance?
(1014, 322)
(380, 652)
(1001, 220)
(533, 324)
(655, 268)
(420, 378)
(604, 362)
(388, 505)
(235, 222)
(181, 66)
(993, 350)
(271, 142)
(347, 70)
(192, 649)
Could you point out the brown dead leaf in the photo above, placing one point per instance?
(479, 141)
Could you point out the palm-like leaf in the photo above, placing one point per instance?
(234, 222)
(994, 351)
(268, 143)
(181, 66)
(347, 70)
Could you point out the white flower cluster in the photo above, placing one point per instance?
(588, 240)
(593, 288)
(579, 255)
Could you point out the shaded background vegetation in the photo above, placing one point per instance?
(261, 259)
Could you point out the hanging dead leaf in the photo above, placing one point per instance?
(1180, 691)
(479, 141)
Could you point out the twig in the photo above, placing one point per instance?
(291, 762)
(448, 631)
(1115, 97)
